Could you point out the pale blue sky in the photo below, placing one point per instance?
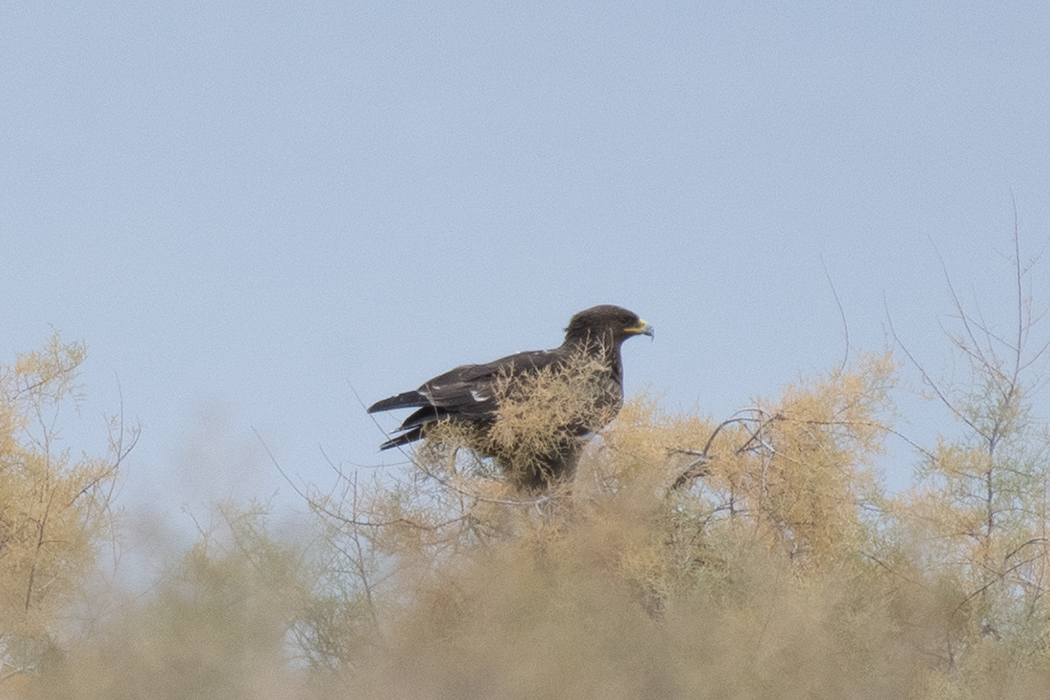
(244, 208)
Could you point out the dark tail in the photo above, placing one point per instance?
(405, 400)
(403, 439)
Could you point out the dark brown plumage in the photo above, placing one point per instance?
(532, 411)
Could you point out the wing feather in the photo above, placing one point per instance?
(467, 392)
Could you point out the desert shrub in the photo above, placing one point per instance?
(55, 510)
(219, 625)
(752, 557)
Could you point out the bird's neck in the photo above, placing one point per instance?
(604, 346)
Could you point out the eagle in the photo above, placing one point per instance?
(532, 411)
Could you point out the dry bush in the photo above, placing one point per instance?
(567, 616)
(54, 510)
(797, 472)
(685, 562)
(216, 626)
(535, 439)
(977, 520)
(635, 584)
(750, 558)
(755, 557)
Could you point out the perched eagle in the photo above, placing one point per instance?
(531, 411)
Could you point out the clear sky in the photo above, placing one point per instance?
(244, 209)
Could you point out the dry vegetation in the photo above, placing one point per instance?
(754, 557)
(54, 511)
(535, 441)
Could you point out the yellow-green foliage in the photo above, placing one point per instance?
(53, 508)
(754, 557)
(796, 471)
(215, 627)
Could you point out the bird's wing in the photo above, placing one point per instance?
(469, 392)
(468, 387)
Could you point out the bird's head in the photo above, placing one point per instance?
(606, 322)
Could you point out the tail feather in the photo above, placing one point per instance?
(405, 400)
(403, 439)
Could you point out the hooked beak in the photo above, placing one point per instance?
(642, 328)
